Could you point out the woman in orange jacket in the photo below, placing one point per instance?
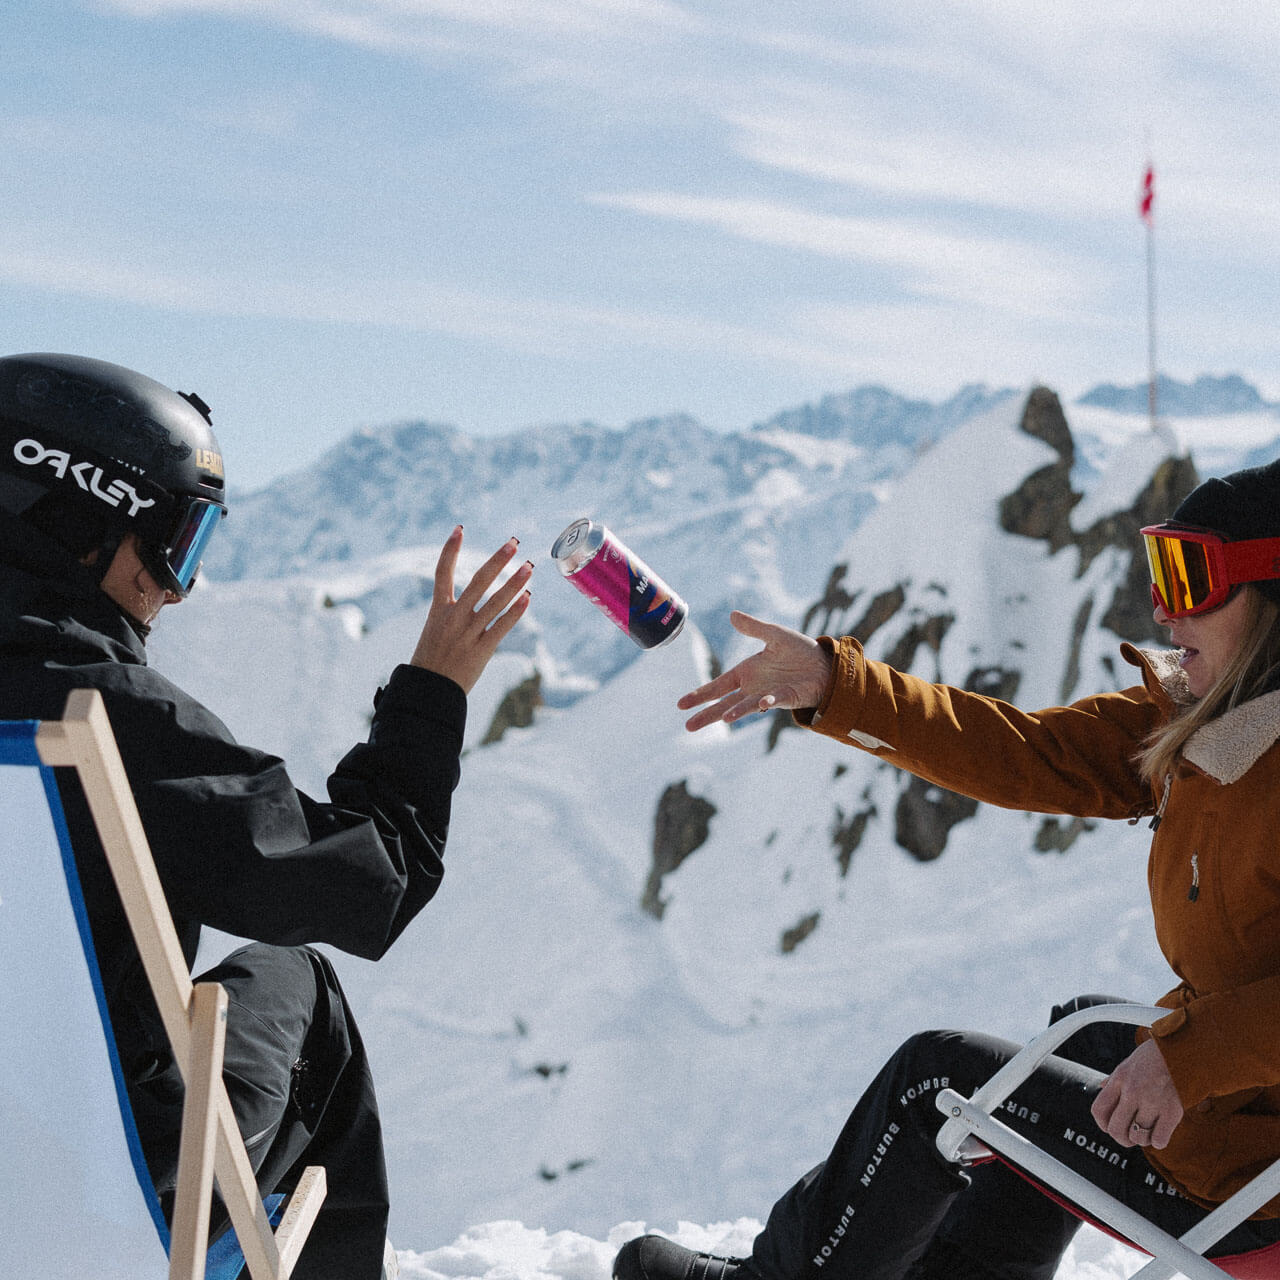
(1192, 1111)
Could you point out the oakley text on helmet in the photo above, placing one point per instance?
(142, 457)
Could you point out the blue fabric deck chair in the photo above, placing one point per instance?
(972, 1133)
(75, 1196)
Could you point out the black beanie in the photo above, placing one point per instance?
(1243, 505)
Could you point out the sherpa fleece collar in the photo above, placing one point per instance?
(1228, 747)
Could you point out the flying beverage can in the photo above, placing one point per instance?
(619, 583)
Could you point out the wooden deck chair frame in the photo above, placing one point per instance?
(194, 1019)
(972, 1133)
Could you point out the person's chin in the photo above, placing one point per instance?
(1192, 662)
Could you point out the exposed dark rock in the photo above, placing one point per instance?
(925, 812)
(793, 937)
(847, 833)
(547, 1174)
(882, 608)
(516, 709)
(928, 631)
(994, 682)
(924, 817)
(1071, 676)
(834, 599)
(681, 825)
(1041, 506)
(1055, 836)
(547, 1069)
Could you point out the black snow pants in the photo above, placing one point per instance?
(299, 1084)
(884, 1204)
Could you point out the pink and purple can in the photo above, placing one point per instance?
(619, 583)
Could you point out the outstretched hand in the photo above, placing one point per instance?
(1138, 1105)
(790, 672)
(462, 633)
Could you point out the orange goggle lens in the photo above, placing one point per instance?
(1182, 573)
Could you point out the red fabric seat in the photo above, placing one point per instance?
(1257, 1264)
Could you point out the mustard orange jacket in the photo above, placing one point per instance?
(1213, 870)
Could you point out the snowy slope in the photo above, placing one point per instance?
(549, 1053)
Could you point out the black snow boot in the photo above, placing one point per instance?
(657, 1258)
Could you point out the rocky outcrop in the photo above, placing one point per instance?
(1041, 505)
(1041, 508)
(929, 630)
(681, 825)
(516, 709)
(793, 937)
(925, 813)
(834, 600)
(1056, 836)
(847, 831)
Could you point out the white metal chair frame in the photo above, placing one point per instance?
(972, 1132)
(194, 1019)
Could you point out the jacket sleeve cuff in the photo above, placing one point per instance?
(412, 690)
(418, 710)
(1180, 1037)
(843, 711)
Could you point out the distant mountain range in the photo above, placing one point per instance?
(1207, 396)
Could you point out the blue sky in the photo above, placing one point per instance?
(323, 214)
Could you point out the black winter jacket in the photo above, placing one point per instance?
(237, 846)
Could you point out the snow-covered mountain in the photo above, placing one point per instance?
(662, 965)
(1207, 396)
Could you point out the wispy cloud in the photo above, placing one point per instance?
(543, 326)
(930, 262)
(962, 176)
(362, 20)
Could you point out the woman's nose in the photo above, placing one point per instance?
(1157, 606)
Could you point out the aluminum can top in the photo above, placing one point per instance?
(577, 545)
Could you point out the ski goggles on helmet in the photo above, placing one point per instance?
(1195, 570)
(174, 560)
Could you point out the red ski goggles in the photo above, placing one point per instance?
(1193, 570)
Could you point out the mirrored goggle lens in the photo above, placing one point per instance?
(190, 538)
(1180, 572)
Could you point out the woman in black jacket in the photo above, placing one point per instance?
(110, 487)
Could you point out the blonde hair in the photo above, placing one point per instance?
(1253, 670)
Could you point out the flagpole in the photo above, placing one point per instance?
(1146, 210)
(1151, 324)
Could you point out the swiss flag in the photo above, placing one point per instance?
(1147, 197)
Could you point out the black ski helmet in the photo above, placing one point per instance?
(116, 449)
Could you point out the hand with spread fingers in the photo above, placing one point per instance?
(1138, 1106)
(790, 672)
(463, 632)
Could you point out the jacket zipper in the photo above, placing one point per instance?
(1194, 892)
